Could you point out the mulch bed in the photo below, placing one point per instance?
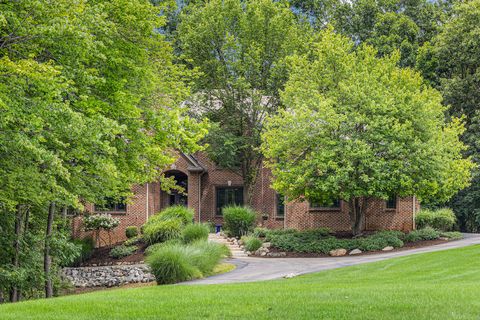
(101, 257)
(407, 246)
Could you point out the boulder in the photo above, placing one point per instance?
(338, 252)
(290, 275)
(355, 251)
(266, 244)
(276, 254)
(389, 248)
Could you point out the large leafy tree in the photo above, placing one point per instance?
(357, 126)
(239, 50)
(452, 63)
(89, 100)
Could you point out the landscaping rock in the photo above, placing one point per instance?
(338, 252)
(276, 254)
(263, 254)
(290, 275)
(355, 251)
(443, 238)
(107, 276)
(389, 248)
(266, 244)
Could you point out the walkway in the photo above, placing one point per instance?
(257, 269)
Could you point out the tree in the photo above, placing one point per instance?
(239, 50)
(89, 104)
(452, 62)
(357, 126)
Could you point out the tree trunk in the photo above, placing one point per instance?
(15, 291)
(357, 214)
(47, 260)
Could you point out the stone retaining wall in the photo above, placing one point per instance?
(108, 276)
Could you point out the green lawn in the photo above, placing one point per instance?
(439, 285)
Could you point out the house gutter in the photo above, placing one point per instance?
(200, 175)
(285, 214)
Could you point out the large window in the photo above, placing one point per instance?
(391, 203)
(228, 196)
(335, 204)
(280, 205)
(111, 205)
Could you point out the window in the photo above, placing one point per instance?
(228, 196)
(280, 205)
(112, 205)
(335, 204)
(391, 203)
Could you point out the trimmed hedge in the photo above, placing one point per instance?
(179, 262)
(194, 232)
(441, 219)
(238, 221)
(131, 232)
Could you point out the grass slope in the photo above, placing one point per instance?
(438, 285)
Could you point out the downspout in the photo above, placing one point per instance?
(146, 203)
(413, 212)
(200, 196)
(285, 199)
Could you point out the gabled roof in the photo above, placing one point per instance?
(193, 164)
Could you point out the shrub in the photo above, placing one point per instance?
(131, 232)
(238, 220)
(179, 262)
(170, 264)
(441, 219)
(452, 235)
(159, 231)
(181, 212)
(380, 240)
(122, 251)
(260, 232)
(100, 221)
(154, 247)
(252, 244)
(194, 232)
(87, 246)
(427, 233)
(133, 241)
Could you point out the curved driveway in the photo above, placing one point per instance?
(257, 269)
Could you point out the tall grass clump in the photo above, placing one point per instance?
(167, 225)
(195, 232)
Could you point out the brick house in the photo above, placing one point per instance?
(209, 188)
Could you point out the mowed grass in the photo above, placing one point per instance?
(439, 285)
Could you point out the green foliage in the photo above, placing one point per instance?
(154, 247)
(345, 128)
(252, 244)
(122, 251)
(427, 233)
(452, 235)
(238, 221)
(162, 230)
(133, 241)
(320, 241)
(167, 224)
(194, 232)
(131, 231)
(440, 219)
(181, 212)
(240, 50)
(380, 240)
(87, 245)
(259, 232)
(178, 262)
